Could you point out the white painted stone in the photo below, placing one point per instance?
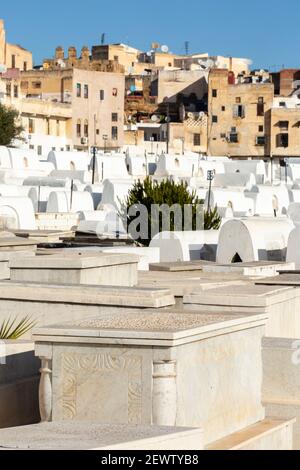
(61, 201)
(18, 212)
(70, 161)
(187, 245)
(254, 239)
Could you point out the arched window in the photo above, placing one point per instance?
(72, 166)
(25, 162)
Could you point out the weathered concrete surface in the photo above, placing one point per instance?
(88, 436)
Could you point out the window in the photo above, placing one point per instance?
(260, 106)
(260, 128)
(116, 58)
(114, 133)
(214, 119)
(40, 150)
(223, 136)
(78, 128)
(78, 90)
(13, 61)
(31, 147)
(8, 89)
(239, 111)
(282, 104)
(86, 91)
(114, 117)
(86, 128)
(48, 132)
(284, 125)
(223, 108)
(238, 100)
(36, 85)
(233, 137)
(16, 91)
(31, 126)
(68, 148)
(260, 140)
(115, 92)
(54, 149)
(282, 140)
(214, 93)
(97, 131)
(57, 127)
(101, 95)
(25, 66)
(197, 140)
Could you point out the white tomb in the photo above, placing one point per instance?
(186, 245)
(254, 239)
(76, 268)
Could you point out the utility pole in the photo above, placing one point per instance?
(94, 164)
(210, 177)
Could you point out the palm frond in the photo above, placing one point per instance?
(14, 328)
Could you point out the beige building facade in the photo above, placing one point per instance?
(13, 56)
(67, 109)
(237, 124)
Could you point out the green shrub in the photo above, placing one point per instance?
(169, 193)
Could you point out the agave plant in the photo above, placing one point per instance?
(15, 329)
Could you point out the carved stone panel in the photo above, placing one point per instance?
(102, 386)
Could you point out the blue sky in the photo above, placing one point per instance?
(265, 31)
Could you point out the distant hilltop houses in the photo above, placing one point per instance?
(114, 96)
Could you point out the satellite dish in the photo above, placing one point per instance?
(164, 49)
(61, 63)
(201, 114)
(3, 68)
(190, 115)
(206, 64)
(149, 53)
(154, 118)
(210, 63)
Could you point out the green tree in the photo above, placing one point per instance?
(148, 193)
(9, 127)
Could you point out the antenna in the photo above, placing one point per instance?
(187, 47)
(102, 39)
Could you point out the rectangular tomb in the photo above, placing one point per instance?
(49, 303)
(280, 304)
(149, 367)
(115, 269)
(281, 380)
(88, 436)
(254, 268)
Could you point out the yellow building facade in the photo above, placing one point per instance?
(13, 56)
